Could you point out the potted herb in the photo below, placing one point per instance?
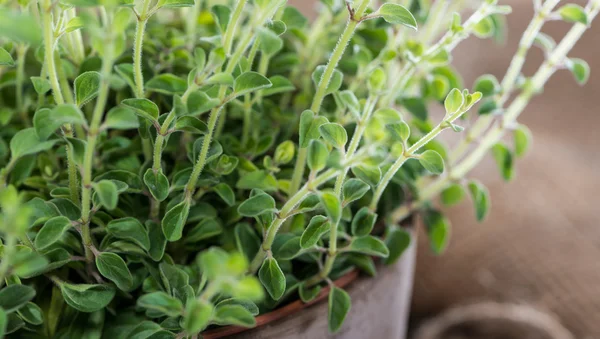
(181, 168)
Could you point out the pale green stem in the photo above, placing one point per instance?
(6, 171)
(434, 20)
(21, 54)
(74, 40)
(335, 58)
(86, 188)
(138, 49)
(232, 26)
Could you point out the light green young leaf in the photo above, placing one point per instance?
(256, 205)
(14, 297)
(114, 268)
(487, 84)
(580, 69)
(74, 24)
(317, 155)
(236, 315)
(354, 189)
(573, 13)
(339, 306)
(143, 108)
(432, 161)
(369, 245)
(481, 199)
(454, 101)
(87, 86)
(250, 82)
(3, 322)
(272, 278)
(309, 127)
(280, 83)
(397, 14)
(191, 124)
(52, 231)
(26, 142)
(121, 118)
(225, 79)
(453, 194)
(130, 229)
(107, 192)
(485, 28)
(522, 139)
(5, 58)
(332, 206)
(199, 102)
(157, 184)
(167, 84)
(87, 298)
(363, 222)
(20, 26)
(41, 85)
(335, 134)
(197, 315)
(317, 227)
(175, 3)
(162, 303)
(369, 174)
(47, 121)
(270, 43)
(337, 78)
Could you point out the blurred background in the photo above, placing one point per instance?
(540, 246)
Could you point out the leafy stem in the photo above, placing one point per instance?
(142, 20)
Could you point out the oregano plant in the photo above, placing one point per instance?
(171, 166)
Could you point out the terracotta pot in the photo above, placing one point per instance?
(380, 309)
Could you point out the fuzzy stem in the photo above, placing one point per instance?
(138, 49)
(336, 56)
(232, 26)
(21, 53)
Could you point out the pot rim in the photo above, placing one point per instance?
(279, 313)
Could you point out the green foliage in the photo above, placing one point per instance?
(247, 158)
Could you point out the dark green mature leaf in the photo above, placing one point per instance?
(87, 298)
(417, 107)
(5, 58)
(52, 231)
(261, 180)
(272, 278)
(308, 294)
(31, 313)
(335, 83)
(505, 160)
(174, 220)
(161, 303)
(3, 322)
(191, 124)
(317, 227)
(397, 241)
(289, 250)
(354, 189)
(256, 205)
(157, 184)
(432, 161)
(226, 193)
(158, 242)
(364, 262)
(27, 263)
(14, 297)
(205, 229)
(438, 230)
(369, 245)
(246, 240)
(339, 306)
(481, 199)
(363, 222)
(197, 315)
(107, 193)
(250, 82)
(121, 118)
(87, 86)
(309, 127)
(143, 108)
(487, 84)
(233, 315)
(280, 85)
(114, 268)
(167, 84)
(129, 229)
(369, 174)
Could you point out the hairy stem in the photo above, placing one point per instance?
(21, 54)
(140, 29)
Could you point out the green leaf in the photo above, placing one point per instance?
(247, 304)
(523, 139)
(174, 220)
(205, 229)
(199, 102)
(504, 160)
(220, 79)
(363, 222)
(317, 155)
(197, 315)
(487, 84)
(364, 262)
(26, 142)
(52, 231)
(438, 230)
(222, 16)
(87, 86)
(14, 297)
(158, 242)
(175, 3)
(47, 121)
(191, 124)
(3, 322)
(87, 298)
(256, 205)
(397, 241)
(369, 174)
(481, 199)
(453, 195)
(161, 303)
(114, 268)
(262, 180)
(432, 161)
(167, 84)
(5, 58)
(573, 13)
(250, 82)
(212, 262)
(31, 313)
(354, 189)
(334, 134)
(293, 18)
(129, 229)
(143, 108)
(107, 193)
(270, 43)
(400, 131)
(339, 306)
(20, 26)
(226, 193)
(246, 240)
(332, 206)
(369, 245)
(317, 227)
(484, 28)
(41, 85)
(157, 184)
(272, 278)
(309, 127)
(417, 107)
(396, 14)
(580, 69)
(280, 83)
(236, 315)
(284, 153)
(27, 263)
(454, 101)
(335, 83)
(308, 294)
(120, 118)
